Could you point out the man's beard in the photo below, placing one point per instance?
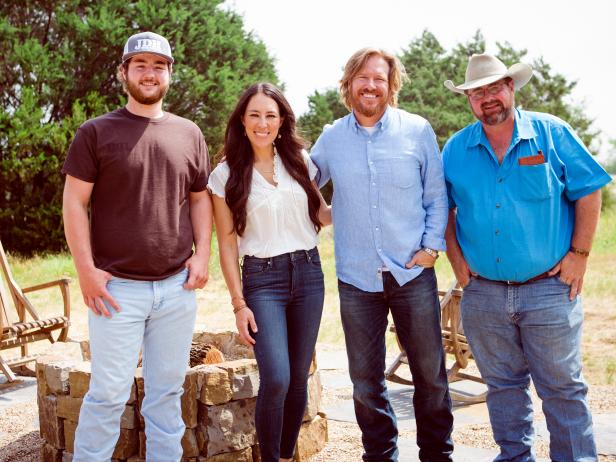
(134, 90)
(368, 111)
(495, 118)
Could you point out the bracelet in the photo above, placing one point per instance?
(237, 309)
(582, 252)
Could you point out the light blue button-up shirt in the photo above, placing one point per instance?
(515, 220)
(389, 198)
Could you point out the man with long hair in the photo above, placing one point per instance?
(143, 173)
(389, 214)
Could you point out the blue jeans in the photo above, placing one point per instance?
(416, 312)
(530, 331)
(286, 295)
(160, 316)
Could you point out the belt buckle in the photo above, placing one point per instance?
(511, 283)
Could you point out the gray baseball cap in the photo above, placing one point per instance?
(147, 42)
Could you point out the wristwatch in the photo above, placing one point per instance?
(433, 253)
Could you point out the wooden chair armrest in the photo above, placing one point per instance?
(64, 288)
(45, 285)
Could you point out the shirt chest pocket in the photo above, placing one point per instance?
(404, 172)
(535, 182)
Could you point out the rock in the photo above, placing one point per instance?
(142, 444)
(190, 446)
(312, 439)
(314, 397)
(52, 375)
(56, 376)
(68, 408)
(244, 377)
(256, 453)
(79, 379)
(128, 444)
(245, 455)
(201, 434)
(51, 427)
(129, 419)
(41, 383)
(192, 392)
(50, 454)
(230, 426)
(216, 388)
(69, 435)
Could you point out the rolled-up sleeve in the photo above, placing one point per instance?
(434, 192)
(318, 155)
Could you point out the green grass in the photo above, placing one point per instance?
(599, 340)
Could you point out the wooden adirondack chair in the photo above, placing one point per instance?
(27, 326)
(454, 344)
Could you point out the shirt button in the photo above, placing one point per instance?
(371, 162)
(497, 232)
(498, 206)
(374, 206)
(369, 141)
(377, 228)
(498, 260)
(373, 184)
(500, 180)
(379, 250)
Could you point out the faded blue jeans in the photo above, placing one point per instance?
(416, 312)
(160, 316)
(530, 331)
(286, 294)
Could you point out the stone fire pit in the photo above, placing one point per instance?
(218, 408)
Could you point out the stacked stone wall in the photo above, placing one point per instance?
(218, 407)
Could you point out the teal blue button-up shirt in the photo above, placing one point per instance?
(515, 220)
(389, 195)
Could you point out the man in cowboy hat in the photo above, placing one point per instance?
(524, 204)
(143, 173)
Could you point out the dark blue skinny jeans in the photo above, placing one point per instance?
(286, 295)
(416, 313)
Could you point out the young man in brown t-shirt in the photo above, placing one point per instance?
(143, 173)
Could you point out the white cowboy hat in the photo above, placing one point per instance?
(484, 69)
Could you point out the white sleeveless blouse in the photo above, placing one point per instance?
(277, 219)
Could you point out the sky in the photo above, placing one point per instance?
(312, 40)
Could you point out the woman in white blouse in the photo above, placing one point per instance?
(268, 210)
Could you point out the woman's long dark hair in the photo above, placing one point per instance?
(237, 152)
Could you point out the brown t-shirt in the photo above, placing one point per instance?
(143, 171)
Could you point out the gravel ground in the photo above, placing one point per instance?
(20, 440)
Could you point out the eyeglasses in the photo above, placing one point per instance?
(479, 93)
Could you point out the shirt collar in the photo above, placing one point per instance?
(382, 124)
(522, 129)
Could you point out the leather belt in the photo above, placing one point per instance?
(516, 283)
